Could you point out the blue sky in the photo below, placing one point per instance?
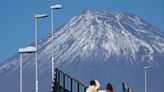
(17, 22)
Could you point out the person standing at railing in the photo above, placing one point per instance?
(125, 87)
(94, 86)
(109, 88)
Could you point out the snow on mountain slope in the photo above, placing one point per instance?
(94, 30)
(108, 46)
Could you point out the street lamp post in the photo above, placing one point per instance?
(21, 51)
(37, 16)
(21, 72)
(56, 6)
(145, 68)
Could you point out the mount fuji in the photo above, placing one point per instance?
(104, 45)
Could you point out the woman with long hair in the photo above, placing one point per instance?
(109, 88)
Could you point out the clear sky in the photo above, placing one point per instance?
(17, 22)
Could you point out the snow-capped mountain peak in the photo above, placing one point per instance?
(111, 32)
(104, 43)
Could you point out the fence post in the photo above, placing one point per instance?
(64, 82)
(58, 77)
(71, 84)
(78, 87)
(56, 82)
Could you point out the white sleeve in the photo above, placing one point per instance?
(97, 85)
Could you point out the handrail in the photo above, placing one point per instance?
(65, 83)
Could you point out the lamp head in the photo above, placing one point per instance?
(29, 49)
(147, 67)
(40, 15)
(56, 6)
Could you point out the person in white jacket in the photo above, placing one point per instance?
(94, 86)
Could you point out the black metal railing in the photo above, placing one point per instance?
(64, 83)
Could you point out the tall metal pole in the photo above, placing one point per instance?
(36, 54)
(145, 68)
(52, 30)
(21, 72)
(36, 46)
(56, 6)
(145, 81)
